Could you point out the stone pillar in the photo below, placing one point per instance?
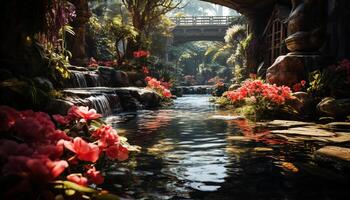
(77, 42)
(306, 35)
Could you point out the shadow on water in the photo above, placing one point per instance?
(187, 154)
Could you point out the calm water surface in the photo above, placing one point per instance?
(188, 152)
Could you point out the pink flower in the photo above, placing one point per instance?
(107, 136)
(303, 82)
(95, 176)
(117, 152)
(85, 151)
(83, 112)
(78, 179)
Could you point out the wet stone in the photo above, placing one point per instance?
(287, 124)
(305, 131)
(339, 126)
(340, 138)
(334, 152)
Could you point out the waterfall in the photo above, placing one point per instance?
(106, 104)
(79, 79)
(83, 79)
(101, 104)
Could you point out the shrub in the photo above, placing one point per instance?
(255, 97)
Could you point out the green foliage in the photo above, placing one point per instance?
(233, 51)
(330, 81)
(145, 15)
(196, 59)
(105, 35)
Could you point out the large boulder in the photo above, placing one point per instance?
(337, 108)
(286, 70)
(150, 99)
(303, 103)
(58, 106)
(106, 74)
(136, 79)
(120, 79)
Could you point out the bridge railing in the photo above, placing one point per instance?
(202, 20)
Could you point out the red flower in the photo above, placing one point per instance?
(83, 112)
(107, 136)
(78, 179)
(141, 54)
(92, 62)
(303, 82)
(145, 70)
(166, 93)
(56, 167)
(95, 176)
(117, 152)
(85, 151)
(297, 87)
(167, 85)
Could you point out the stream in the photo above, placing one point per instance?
(191, 151)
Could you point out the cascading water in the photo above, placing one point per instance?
(106, 104)
(79, 79)
(101, 104)
(83, 79)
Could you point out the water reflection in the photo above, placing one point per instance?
(188, 154)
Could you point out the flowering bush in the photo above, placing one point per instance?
(160, 87)
(36, 152)
(94, 63)
(141, 54)
(258, 97)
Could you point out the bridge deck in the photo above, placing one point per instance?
(203, 20)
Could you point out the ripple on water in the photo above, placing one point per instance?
(186, 155)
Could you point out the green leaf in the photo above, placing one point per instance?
(70, 185)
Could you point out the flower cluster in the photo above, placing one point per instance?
(31, 147)
(258, 90)
(255, 97)
(159, 86)
(28, 145)
(94, 63)
(141, 54)
(299, 86)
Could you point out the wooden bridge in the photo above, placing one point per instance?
(197, 28)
